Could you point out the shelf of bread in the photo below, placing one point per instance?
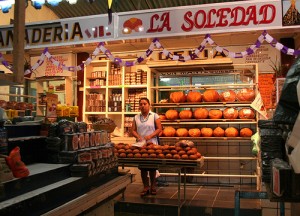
(202, 104)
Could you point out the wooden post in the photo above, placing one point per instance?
(18, 42)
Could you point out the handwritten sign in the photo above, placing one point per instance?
(266, 88)
(258, 105)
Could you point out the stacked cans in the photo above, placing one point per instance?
(138, 77)
(127, 125)
(115, 101)
(98, 78)
(95, 102)
(134, 95)
(94, 160)
(115, 75)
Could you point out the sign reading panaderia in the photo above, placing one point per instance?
(65, 32)
(196, 19)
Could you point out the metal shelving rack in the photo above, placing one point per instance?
(227, 160)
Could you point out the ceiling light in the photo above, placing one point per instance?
(54, 2)
(37, 4)
(5, 5)
(72, 1)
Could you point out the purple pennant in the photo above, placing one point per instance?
(297, 52)
(181, 58)
(193, 56)
(284, 49)
(118, 60)
(257, 44)
(249, 51)
(140, 59)
(107, 53)
(201, 48)
(149, 52)
(207, 36)
(45, 50)
(128, 64)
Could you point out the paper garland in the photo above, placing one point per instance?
(156, 44)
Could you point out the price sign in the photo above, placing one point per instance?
(266, 88)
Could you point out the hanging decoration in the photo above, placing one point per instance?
(156, 44)
(109, 11)
(5, 5)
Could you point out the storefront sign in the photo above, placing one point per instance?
(196, 19)
(64, 32)
(202, 19)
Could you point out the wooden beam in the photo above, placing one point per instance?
(18, 42)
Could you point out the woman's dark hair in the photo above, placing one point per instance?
(144, 98)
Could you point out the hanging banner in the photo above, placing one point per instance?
(49, 69)
(176, 21)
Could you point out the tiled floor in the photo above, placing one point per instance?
(206, 200)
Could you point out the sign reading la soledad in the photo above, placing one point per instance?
(197, 19)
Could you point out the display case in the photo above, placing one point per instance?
(61, 86)
(219, 137)
(112, 91)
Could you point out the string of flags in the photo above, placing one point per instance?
(156, 44)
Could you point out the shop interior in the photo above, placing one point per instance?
(45, 115)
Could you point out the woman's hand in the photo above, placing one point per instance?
(139, 139)
(147, 137)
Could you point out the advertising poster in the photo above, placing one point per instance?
(290, 12)
(52, 100)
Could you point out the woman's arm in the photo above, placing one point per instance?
(134, 131)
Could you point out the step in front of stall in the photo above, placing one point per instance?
(43, 199)
(135, 209)
(40, 175)
(200, 200)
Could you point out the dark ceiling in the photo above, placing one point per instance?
(84, 8)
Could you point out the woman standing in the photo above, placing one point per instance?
(146, 127)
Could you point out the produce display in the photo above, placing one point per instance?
(218, 132)
(228, 96)
(206, 132)
(186, 114)
(245, 95)
(172, 114)
(215, 114)
(203, 113)
(200, 113)
(177, 97)
(211, 95)
(194, 96)
(246, 113)
(183, 149)
(230, 113)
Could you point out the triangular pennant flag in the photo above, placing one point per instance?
(109, 11)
